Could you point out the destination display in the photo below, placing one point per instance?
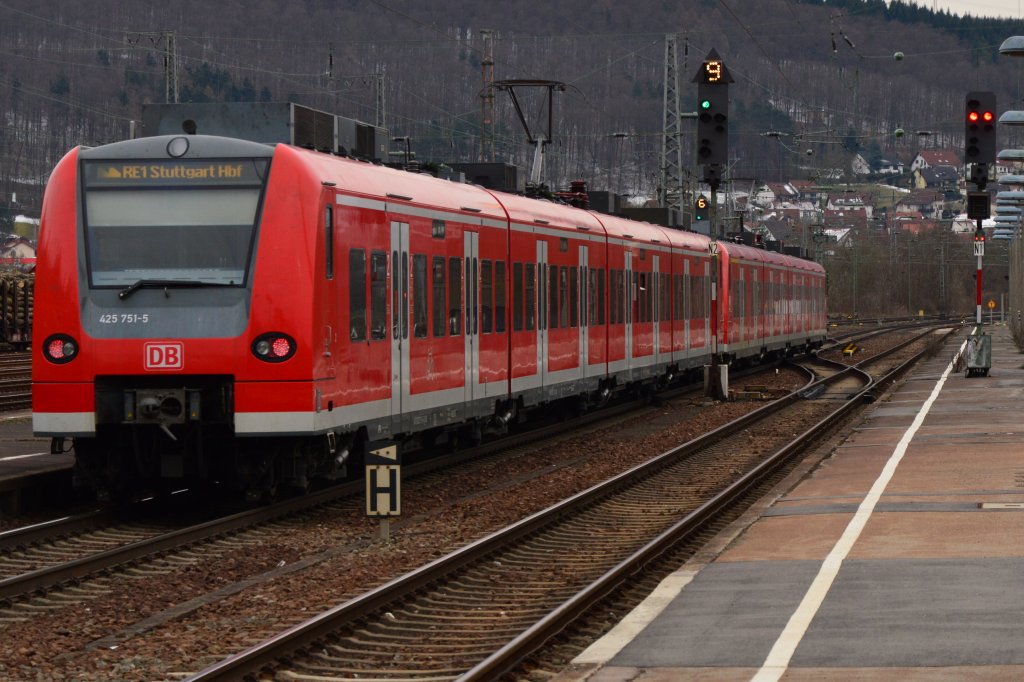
(135, 173)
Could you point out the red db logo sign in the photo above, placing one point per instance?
(164, 355)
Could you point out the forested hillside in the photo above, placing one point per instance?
(821, 74)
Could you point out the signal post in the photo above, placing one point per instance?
(979, 152)
(712, 81)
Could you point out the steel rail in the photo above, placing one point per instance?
(256, 659)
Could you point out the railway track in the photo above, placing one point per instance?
(86, 577)
(480, 612)
(45, 558)
(15, 381)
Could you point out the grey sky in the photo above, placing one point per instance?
(1006, 9)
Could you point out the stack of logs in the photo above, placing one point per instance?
(16, 294)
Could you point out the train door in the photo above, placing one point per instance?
(399, 317)
(739, 311)
(798, 307)
(630, 292)
(331, 295)
(542, 311)
(758, 311)
(471, 251)
(584, 310)
(687, 308)
(654, 291)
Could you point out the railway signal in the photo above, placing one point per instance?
(980, 128)
(700, 209)
(712, 81)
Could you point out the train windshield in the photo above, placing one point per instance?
(187, 221)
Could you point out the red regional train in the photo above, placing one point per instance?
(215, 310)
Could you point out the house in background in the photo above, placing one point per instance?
(936, 177)
(928, 158)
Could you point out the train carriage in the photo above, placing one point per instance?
(213, 310)
(769, 302)
(682, 294)
(556, 246)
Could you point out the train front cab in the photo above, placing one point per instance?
(146, 263)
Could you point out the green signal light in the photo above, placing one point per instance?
(705, 104)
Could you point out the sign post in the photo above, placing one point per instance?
(979, 251)
(383, 484)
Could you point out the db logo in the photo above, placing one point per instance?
(164, 355)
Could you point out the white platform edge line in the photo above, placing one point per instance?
(777, 662)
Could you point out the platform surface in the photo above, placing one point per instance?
(22, 453)
(900, 557)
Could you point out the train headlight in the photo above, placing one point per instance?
(60, 348)
(273, 347)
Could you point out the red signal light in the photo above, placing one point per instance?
(973, 116)
(987, 117)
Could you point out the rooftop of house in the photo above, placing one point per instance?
(940, 157)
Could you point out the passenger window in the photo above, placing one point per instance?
(329, 241)
(405, 295)
(613, 280)
(592, 312)
(531, 297)
(396, 294)
(542, 297)
(419, 296)
(455, 295)
(357, 294)
(600, 297)
(440, 309)
(517, 297)
(378, 295)
(553, 297)
(573, 297)
(486, 296)
(499, 296)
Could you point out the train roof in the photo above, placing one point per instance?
(157, 147)
(549, 213)
(388, 184)
(624, 228)
(759, 255)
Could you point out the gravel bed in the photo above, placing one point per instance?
(870, 347)
(332, 558)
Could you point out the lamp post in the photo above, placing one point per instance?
(1014, 47)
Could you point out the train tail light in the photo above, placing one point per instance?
(273, 347)
(60, 349)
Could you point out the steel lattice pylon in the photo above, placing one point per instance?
(670, 187)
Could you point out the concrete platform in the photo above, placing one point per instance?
(29, 475)
(900, 557)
